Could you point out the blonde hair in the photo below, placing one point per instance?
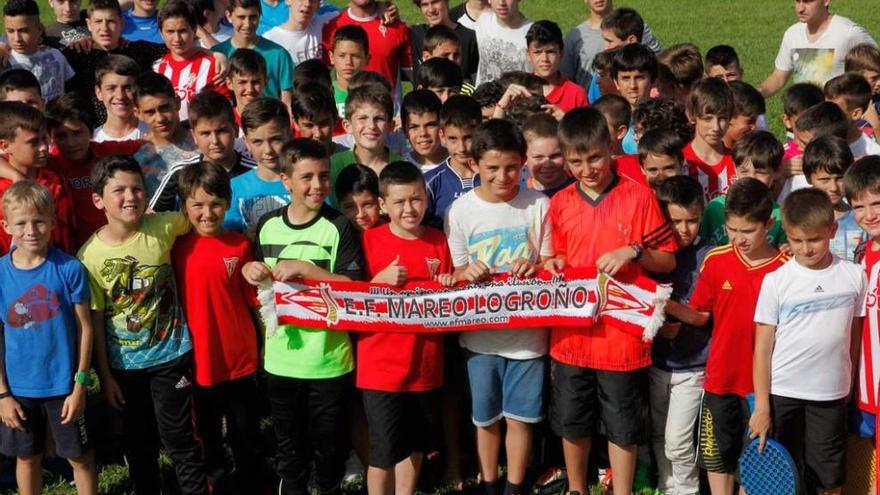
(28, 194)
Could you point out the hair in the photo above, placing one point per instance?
(262, 111)
(615, 109)
(398, 173)
(199, 8)
(151, 83)
(488, 94)
(761, 148)
(681, 190)
(418, 102)
(246, 61)
(807, 209)
(209, 104)
(206, 175)
(823, 119)
(521, 110)
(534, 84)
(436, 36)
(356, 179)
(829, 153)
(15, 115)
(17, 80)
(299, 149)
(583, 129)
(863, 175)
(106, 167)
(367, 78)
(497, 135)
(309, 72)
(15, 8)
(634, 57)
(749, 198)
(603, 60)
(439, 73)
(353, 33)
(862, 57)
(663, 112)
(545, 32)
(723, 55)
(178, 9)
(311, 100)
(660, 141)
(801, 96)
(540, 126)
(747, 101)
(684, 62)
(116, 64)
(624, 23)
(460, 111)
(853, 88)
(370, 94)
(28, 194)
(69, 108)
(111, 5)
(245, 4)
(710, 96)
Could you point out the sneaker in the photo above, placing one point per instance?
(552, 481)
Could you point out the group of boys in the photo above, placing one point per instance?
(142, 210)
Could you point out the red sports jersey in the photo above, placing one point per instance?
(869, 364)
(715, 179)
(584, 230)
(403, 362)
(191, 76)
(628, 166)
(390, 48)
(216, 302)
(728, 287)
(567, 95)
(64, 219)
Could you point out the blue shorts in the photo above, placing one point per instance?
(502, 387)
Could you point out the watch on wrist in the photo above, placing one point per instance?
(83, 378)
(639, 250)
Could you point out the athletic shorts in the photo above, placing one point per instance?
(502, 387)
(723, 424)
(585, 402)
(401, 423)
(814, 433)
(71, 440)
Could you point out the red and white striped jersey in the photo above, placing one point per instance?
(869, 362)
(189, 77)
(715, 179)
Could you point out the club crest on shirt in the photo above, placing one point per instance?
(36, 305)
(230, 264)
(433, 267)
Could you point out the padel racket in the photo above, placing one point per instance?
(772, 472)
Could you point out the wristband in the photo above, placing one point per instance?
(83, 378)
(5, 395)
(638, 249)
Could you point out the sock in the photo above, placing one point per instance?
(512, 488)
(490, 488)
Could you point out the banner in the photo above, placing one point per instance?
(575, 298)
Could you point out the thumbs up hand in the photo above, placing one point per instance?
(393, 274)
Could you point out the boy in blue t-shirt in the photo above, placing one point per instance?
(141, 22)
(44, 307)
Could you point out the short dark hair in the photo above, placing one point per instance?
(418, 102)
(398, 173)
(749, 198)
(206, 175)
(497, 135)
(488, 94)
(15, 115)
(603, 60)
(540, 126)
(114, 63)
(659, 141)
(583, 129)
(298, 149)
(852, 87)
(370, 94)
(615, 108)
(96, 5)
(15, 8)
(311, 71)
(634, 57)
(624, 22)
(747, 101)
(178, 9)
(106, 167)
(863, 175)
(199, 8)
(823, 119)
(209, 104)
(723, 55)
(545, 32)
(710, 96)
(436, 36)
(439, 73)
(356, 179)
(245, 4)
(761, 148)
(69, 108)
(533, 83)
(17, 80)
(262, 111)
(663, 112)
(684, 62)
(521, 110)
(151, 83)
(680, 190)
(353, 33)
(311, 100)
(369, 77)
(807, 209)
(460, 111)
(829, 153)
(247, 61)
(801, 96)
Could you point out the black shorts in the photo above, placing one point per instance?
(401, 423)
(71, 440)
(722, 432)
(814, 433)
(585, 401)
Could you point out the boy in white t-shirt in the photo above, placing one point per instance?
(502, 227)
(808, 322)
(501, 39)
(301, 34)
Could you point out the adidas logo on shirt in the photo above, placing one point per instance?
(726, 285)
(183, 382)
(818, 289)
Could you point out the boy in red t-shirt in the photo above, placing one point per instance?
(217, 303)
(727, 291)
(401, 373)
(599, 375)
(709, 108)
(544, 48)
